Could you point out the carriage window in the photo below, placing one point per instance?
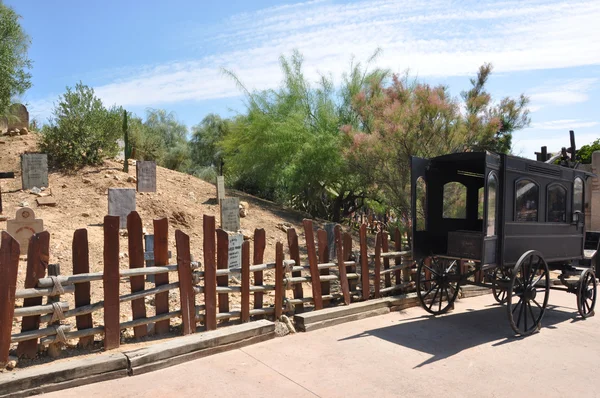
(455, 200)
(421, 196)
(557, 203)
(491, 205)
(480, 204)
(578, 194)
(526, 203)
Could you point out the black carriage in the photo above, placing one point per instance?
(502, 222)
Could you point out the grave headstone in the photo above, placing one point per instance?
(34, 170)
(3, 125)
(146, 175)
(220, 188)
(121, 202)
(149, 255)
(24, 226)
(21, 119)
(235, 251)
(330, 229)
(230, 214)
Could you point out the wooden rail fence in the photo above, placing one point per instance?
(340, 280)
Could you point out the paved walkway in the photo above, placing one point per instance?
(468, 353)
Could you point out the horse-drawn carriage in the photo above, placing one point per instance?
(502, 222)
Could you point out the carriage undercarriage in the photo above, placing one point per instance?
(524, 287)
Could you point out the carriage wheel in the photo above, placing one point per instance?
(499, 289)
(437, 284)
(528, 293)
(586, 293)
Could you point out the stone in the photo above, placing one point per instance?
(34, 170)
(121, 202)
(106, 176)
(21, 117)
(12, 362)
(46, 201)
(230, 214)
(145, 172)
(35, 190)
(131, 179)
(116, 177)
(244, 207)
(24, 204)
(24, 131)
(220, 188)
(24, 226)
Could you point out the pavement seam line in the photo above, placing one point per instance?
(278, 372)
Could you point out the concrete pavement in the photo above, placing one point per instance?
(470, 352)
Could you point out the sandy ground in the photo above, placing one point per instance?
(470, 352)
(82, 202)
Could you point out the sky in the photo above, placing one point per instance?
(143, 54)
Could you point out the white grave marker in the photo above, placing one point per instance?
(24, 226)
(235, 251)
(220, 188)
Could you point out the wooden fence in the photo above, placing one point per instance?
(347, 277)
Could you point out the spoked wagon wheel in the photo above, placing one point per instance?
(528, 293)
(437, 284)
(586, 293)
(500, 281)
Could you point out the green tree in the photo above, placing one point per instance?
(289, 147)
(81, 131)
(14, 62)
(206, 142)
(159, 135)
(584, 154)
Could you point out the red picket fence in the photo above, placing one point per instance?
(340, 280)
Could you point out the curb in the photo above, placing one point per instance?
(114, 365)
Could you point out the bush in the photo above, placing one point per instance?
(81, 131)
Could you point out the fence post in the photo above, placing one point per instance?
(377, 264)
(294, 249)
(110, 278)
(341, 267)
(385, 248)
(350, 269)
(210, 273)
(136, 260)
(279, 275)
(246, 281)
(9, 267)
(323, 248)
(364, 263)
(314, 264)
(37, 263)
(260, 243)
(161, 257)
(222, 259)
(187, 297)
(81, 265)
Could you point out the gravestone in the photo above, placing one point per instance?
(230, 214)
(121, 202)
(330, 229)
(149, 255)
(34, 170)
(22, 117)
(145, 172)
(234, 259)
(3, 125)
(24, 226)
(220, 188)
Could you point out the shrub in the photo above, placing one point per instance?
(81, 131)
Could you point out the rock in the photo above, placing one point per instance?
(24, 204)
(85, 214)
(123, 232)
(35, 190)
(12, 362)
(24, 131)
(106, 176)
(116, 177)
(42, 189)
(131, 162)
(86, 181)
(244, 208)
(131, 179)
(284, 226)
(65, 185)
(123, 255)
(281, 329)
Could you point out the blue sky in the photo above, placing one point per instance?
(167, 54)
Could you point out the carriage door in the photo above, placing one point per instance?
(491, 209)
(418, 189)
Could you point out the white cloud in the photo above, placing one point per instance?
(564, 124)
(564, 92)
(432, 38)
